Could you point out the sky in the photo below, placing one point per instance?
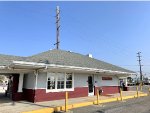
(111, 31)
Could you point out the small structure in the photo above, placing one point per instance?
(48, 75)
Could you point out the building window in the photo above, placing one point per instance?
(60, 82)
(68, 80)
(51, 82)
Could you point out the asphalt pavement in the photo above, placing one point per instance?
(140, 105)
(136, 105)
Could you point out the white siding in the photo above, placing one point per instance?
(100, 82)
(80, 80)
(29, 81)
(97, 80)
(42, 80)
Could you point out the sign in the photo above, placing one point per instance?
(106, 78)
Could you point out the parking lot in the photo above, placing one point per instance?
(140, 105)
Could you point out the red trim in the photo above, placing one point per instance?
(29, 94)
(108, 89)
(106, 78)
(41, 94)
(18, 96)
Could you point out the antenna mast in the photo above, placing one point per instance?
(139, 60)
(57, 27)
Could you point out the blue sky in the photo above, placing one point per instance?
(112, 31)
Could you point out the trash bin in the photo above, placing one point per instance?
(100, 91)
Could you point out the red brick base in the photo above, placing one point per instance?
(108, 89)
(41, 94)
(29, 94)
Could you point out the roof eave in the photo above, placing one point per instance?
(34, 66)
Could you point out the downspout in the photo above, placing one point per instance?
(36, 73)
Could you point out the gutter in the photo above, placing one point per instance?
(54, 66)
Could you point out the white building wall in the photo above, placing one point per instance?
(100, 82)
(42, 80)
(96, 80)
(80, 80)
(29, 81)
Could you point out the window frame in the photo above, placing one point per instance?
(59, 80)
(66, 74)
(56, 80)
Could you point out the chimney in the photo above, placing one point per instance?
(89, 55)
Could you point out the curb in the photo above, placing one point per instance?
(45, 110)
(77, 105)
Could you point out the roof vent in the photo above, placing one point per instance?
(90, 55)
(44, 61)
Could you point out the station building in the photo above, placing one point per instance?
(47, 76)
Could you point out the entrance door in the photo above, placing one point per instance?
(90, 85)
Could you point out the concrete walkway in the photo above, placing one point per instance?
(22, 106)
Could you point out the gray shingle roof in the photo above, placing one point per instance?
(7, 59)
(62, 57)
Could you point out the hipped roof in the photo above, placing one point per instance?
(61, 57)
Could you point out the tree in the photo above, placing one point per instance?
(2, 78)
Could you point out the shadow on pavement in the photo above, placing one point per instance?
(4, 99)
(29, 103)
(99, 111)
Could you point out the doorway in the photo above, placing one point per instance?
(5, 86)
(90, 86)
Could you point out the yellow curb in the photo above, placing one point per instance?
(82, 104)
(144, 94)
(45, 110)
(109, 100)
(128, 97)
(57, 109)
(77, 105)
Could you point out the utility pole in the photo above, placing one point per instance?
(139, 60)
(57, 27)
